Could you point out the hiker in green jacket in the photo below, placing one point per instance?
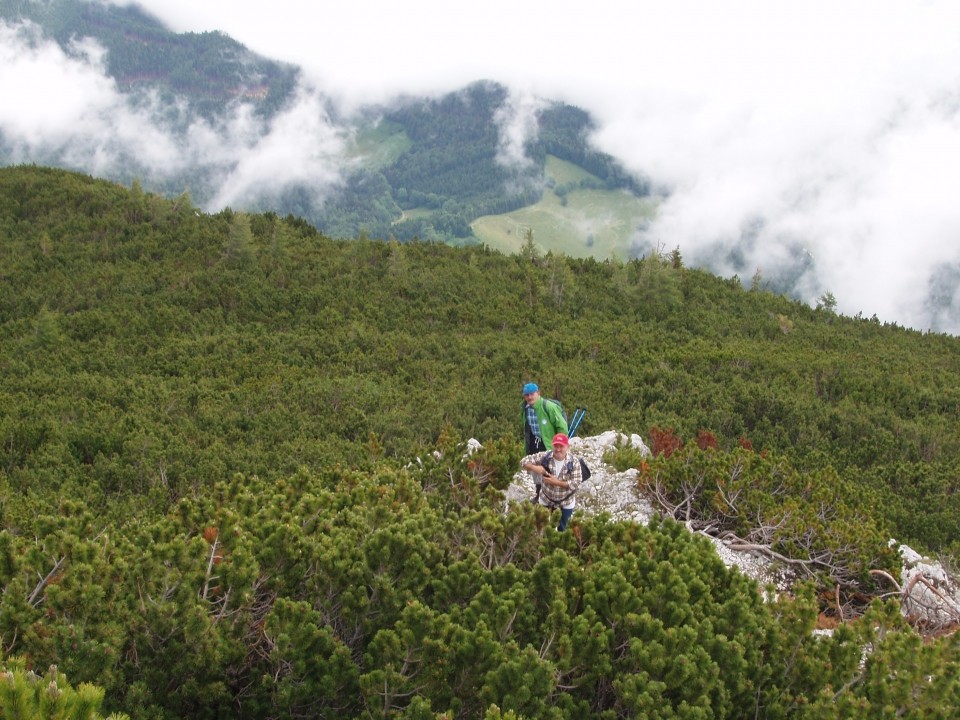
(542, 419)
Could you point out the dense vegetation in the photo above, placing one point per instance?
(218, 486)
(28, 696)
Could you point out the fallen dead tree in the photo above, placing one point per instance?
(716, 495)
(929, 593)
(803, 523)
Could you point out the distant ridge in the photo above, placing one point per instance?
(439, 163)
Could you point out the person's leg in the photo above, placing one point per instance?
(537, 479)
(565, 514)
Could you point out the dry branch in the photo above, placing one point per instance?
(34, 599)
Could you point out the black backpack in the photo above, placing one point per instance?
(584, 468)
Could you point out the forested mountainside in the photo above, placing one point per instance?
(232, 475)
(421, 168)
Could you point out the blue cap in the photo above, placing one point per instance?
(530, 388)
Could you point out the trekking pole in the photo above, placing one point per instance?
(575, 422)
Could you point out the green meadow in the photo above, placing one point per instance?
(586, 223)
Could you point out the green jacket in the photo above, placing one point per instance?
(551, 422)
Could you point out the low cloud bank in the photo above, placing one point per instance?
(856, 202)
(814, 144)
(61, 108)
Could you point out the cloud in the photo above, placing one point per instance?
(62, 103)
(829, 160)
(60, 107)
(818, 142)
(298, 147)
(516, 120)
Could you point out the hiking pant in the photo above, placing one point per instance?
(535, 445)
(565, 514)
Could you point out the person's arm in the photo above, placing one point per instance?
(531, 463)
(554, 482)
(573, 478)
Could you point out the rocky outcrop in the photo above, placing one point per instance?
(929, 593)
(617, 494)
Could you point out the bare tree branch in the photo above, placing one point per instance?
(888, 576)
(210, 563)
(35, 599)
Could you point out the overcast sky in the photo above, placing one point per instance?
(829, 127)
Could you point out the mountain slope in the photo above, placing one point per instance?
(232, 474)
(340, 173)
(281, 347)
